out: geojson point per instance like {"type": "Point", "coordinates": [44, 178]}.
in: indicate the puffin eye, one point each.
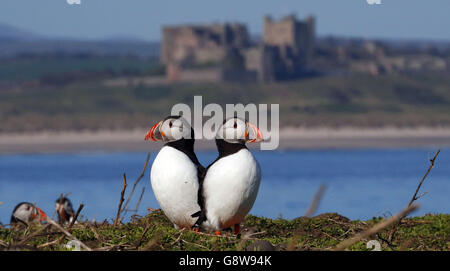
{"type": "Point", "coordinates": [170, 124]}
{"type": "Point", "coordinates": [235, 125]}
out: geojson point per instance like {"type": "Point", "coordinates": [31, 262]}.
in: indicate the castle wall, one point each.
{"type": "Point", "coordinates": [180, 44]}
{"type": "Point", "coordinates": [287, 47]}
{"type": "Point", "coordinates": [281, 33]}
{"type": "Point", "coordinates": [190, 45]}
{"type": "Point", "coordinates": [208, 55]}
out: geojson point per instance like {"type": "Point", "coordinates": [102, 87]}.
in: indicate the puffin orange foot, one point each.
{"type": "Point", "coordinates": [236, 229]}
{"type": "Point", "coordinates": [196, 230]}
{"type": "Point", "coordinates": [218, 233]}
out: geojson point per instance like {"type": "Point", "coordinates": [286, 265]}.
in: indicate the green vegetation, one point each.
{"type": "Point", "coordinates": [155, 232]}
{"type": "Point", "coordinates": [72, 92]}
{"type": "Point", "coordinates": [357, 100]}
{"type": "Point", "coordinates": [53, 67]}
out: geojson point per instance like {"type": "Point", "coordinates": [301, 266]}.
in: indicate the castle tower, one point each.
{"type": "Point", "coordinates": [280, 33]}
{"type": "Point", "coordinates": [293, 40]}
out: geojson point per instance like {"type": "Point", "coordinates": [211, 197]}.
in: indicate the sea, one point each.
{"type": "Point", "coordinates": [360, 183]}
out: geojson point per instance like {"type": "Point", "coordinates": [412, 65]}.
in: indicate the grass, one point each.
{"type": "Point", "coordinates": [322, 232]}
{"type": "Point", "coordinates": [45, 67]}
{"type": "Point", "coordinates": [363, 101]}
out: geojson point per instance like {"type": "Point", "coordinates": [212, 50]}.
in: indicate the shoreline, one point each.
{"type": "Point", "coordinates": [290, 138]}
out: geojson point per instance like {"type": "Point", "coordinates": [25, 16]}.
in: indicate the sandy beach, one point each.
{"type": "Point", "coordinates": [290, 138]}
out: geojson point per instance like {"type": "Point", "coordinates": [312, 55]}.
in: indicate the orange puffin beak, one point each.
{"type": "Point", "coordinates": [154, 133]}
{"type": "Point", "coordinates": [42, 215]}
{"type": "Point", "coordinates": [256, 132]}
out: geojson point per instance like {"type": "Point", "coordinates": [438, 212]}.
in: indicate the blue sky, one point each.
{"type": "Point", "coordinates": [98, 19]}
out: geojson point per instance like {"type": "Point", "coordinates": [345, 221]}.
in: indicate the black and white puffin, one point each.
{"type": "Point", "coordinates": [176, 172]}
{"type": "Point", "coordinates": [231, 182]}
{"type": "Point", "coordinates": [64, 209]}
{"type": "Point", "coordinates": [26, 213]}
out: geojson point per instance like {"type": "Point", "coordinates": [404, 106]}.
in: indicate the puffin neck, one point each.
{"type": "Point", "coordinates": [226, 148]}
{"type": "Point", "coordinates": [186, 146]}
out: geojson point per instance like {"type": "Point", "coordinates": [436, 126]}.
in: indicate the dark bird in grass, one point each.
{"type": "Point", "coordinates": [64, 209]}
{"type": "Point", "coordinates": [26, 213]}
{"type": "Point", "coordinates": [231, 182]}
{"type": "Point", "coordinates": [176, 173]}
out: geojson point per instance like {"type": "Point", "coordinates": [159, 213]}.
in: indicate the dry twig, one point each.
{"type": "Point", "coordinates": [316, 200]}
{"type": "Point", "coordinates": [414, 197]}
{"type": "Point", "coordinates": [3, 243]}
{"type": "Point", "coordinates": [34, 234]}
{"type": "Point", "coordinates": [194, 244]}
{"type": "Point", "coordinates": [92, 228]}
{"type": "Point", "coordinates": [249, 236]}
{"type": "Point", "coordinates": [179, 237]}
{"type": "Point", "coordinates": [375, 229]}
{"type": "Point", "coordinates": [68, 234]}
{"type": "Point", "coordinates": [139, 201]}
{"type": "Point", "coordinates": [51, 243]}
{"type": "Point", "coordinates": [136, 183]}
{"type": "Point", "coordinates": [119, 210]}
{"type": "Point", "coordinates": [147, 227]}
{"type": "Point", "coordinates": [75, 217]}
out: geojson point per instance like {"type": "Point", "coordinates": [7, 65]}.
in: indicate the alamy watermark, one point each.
{"type": "Point", "coordinates": [255, 114]}
{"type": "Point", "coordinates": [74, 2]}
{"type": "Point", "coordinates": [374, 245]}
{"type": "Point", "coordinates": [73, 245]}
{"type": "Point", "coordinates": [374, 2]}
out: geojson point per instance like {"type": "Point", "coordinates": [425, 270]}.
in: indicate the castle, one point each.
{"type": "Point", "coordinates": [225, 52]}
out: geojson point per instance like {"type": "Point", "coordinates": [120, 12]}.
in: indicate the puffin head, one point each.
{"type": "Point", "coordinates": [170, 129]}
{"type": "Point", "coordinates": [238, 131]}
{"type": "Point", "coordinates": [63, 208]}
{"type": "Point", "coordinates": [26, 213]}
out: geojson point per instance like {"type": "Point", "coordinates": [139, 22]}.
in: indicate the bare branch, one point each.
{"type": "Point", "coordinates": [375, 229]}
{"type": "Point", "coordinates": [3, 243]}
{"type": "Point", "coordinates": [316, 200]}
{"type": "Point", "coordinates": [147, 227]}
{"type": "Point", "coordinates": [51, 243]}
{"type": "Point", "coordinates": [34, 234]}
{"type": "Point", "coordinates": [421, 195]}
{"type": "Point", "coordinates": [95, 233]}
{"type": "Point", "coordinates": [179, 237]}
{"type": "Point", "coordinates": [414, 198]}
{"type": "Point", "coordinates": [75, 217]}
{"type": "Point", "coordinates": [139, 201]}
{"type": "Point", "coordinates": [136, 183]}
{"type": "Point", "coordinates": [68, 234]}
{"type": "Point", "coordinates": [119, 210]}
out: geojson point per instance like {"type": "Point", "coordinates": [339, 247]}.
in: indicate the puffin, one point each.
{"type": "Point", "coordinates": [176, 173]}
{"type": "Point", "coordinates": [231, 182]}
{"type": "Point", "coordinates": [27, 213]}
{"type": "Point", "coordinates": [64, 209]}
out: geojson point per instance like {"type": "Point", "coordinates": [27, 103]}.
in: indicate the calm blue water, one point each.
{"type": "Point", "coordinates": [361, 183]}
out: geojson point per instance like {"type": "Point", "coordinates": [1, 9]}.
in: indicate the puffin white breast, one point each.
{"type": "Point", "coordinates": [230, 189]}
{"type": "Point", "coordinates": [175, 184]}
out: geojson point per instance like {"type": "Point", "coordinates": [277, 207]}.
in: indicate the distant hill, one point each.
{"type": "Point", "coordinates": [402, 44]}
{"type": "Point", "coordinates": [144, 49]}
{"type": "Point", "coordinates": [11, 33]}
{"type": "Point", "coordinates": [15, 42]}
